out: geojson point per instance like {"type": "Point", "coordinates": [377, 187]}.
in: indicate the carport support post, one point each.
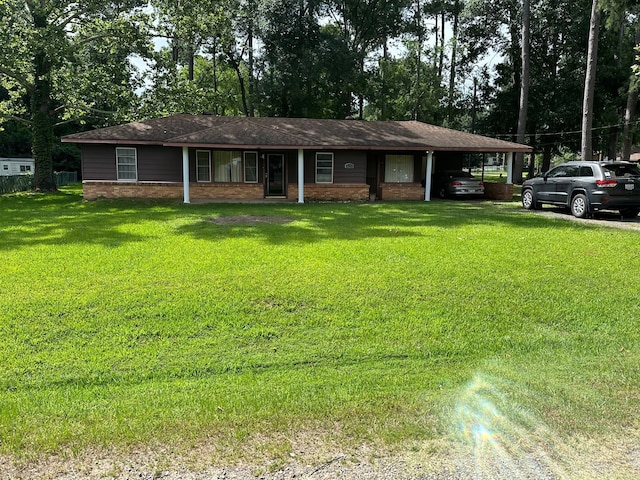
{"type": "Point", "coordinates": [185, 174]}
{"type": "Point", "coordinates": [427, 177]}
{"type": "Point", "coordinates": [300, 175]}
{"type": "Point", "coordinates": [509, 167]}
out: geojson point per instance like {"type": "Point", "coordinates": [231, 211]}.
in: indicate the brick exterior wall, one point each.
{"type": "Point", "coordinates": [227, 191]}
{"type": "Point", "coordinates": [401, 191]}
{"type": "Point", "coordinates": [210, 191]}
{"type": "Point", "coordinates": [498, 191]}
{"type": "Point", "coordinates": [331, 192]}
{"type": "Point", "coordinates": [95, 190]}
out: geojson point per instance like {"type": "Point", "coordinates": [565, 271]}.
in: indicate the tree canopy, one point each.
{"type": "Point", "coordinates": [456, 63]}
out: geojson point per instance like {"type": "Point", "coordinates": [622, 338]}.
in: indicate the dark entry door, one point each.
{"type": "Point", "coordinates": [275, 175]}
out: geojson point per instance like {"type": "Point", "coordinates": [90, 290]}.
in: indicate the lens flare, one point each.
{"type": "Point", "coordinates": [502, 440]}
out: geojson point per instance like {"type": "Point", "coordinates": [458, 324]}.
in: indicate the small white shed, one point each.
{"type": "Point", "coordinates": [16, 166]}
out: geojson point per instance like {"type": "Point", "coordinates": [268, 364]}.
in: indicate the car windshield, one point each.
{"type": "Point", "coordinates": [622, 170]}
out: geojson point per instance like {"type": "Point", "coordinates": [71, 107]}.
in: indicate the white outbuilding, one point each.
{"type": "Point", "coordinates": [16, 166]}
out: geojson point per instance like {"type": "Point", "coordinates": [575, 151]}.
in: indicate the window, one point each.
{"type": "Point", "coordinates": [324, 167]}
{"type": "Point", "coordinates": [250, 167]}
{"type": "Point", "coordinates": [398, 169]}
{"type": "Point", "coordinates": [23, 168]}
{"type": "Point", "coordinates": [203, 166]}
{"type": "Point", "coordinates": [126, 163]}
{"type": "Point", "coordinates": [227, 166]}
{"type": "Point", "coordinates": [586, 171]}
{"type": "Point", "coordinates": [563, 171]}
{"type": "Point", "coordinates": [621, 170]}
{"type": "Point", "coordinates": [6, 167]}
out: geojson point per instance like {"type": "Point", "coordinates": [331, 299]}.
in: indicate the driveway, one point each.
{"type": "Point", "coordinates": [607, 219]}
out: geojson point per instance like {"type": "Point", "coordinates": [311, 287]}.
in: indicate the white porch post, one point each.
{"type": "Point", "coordinates": [427, 177]}
{"type": "Point", "coordinates": [185, 174]}
{"type": "Point", "coordinates": [300, 175]}
{"type": "Point", "coordinates": [510, 167]}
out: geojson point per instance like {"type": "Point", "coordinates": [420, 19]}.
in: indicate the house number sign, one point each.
{"type": "Point", "coordinates": [349, 165]}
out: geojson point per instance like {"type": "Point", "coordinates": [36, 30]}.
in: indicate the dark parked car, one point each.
{"type": "Point", "coordinates": [456, 183]}
{"type": "Point", "coordinates": [586, 187]}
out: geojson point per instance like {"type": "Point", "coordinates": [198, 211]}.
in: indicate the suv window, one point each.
{"type": "Point", "coordinates": [621, 170]}
{"type": "Point", "coordinates": [586, 171]}
{"type": "Point", "coordinates": [564, 171]}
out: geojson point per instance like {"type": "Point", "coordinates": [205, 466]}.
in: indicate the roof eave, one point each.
{"type": "Point", "coordinates": [111, 141]}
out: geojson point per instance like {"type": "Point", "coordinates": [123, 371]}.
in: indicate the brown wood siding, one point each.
{"type": "Point", "coordinates": [341, 175]}
{"type": "Point", "coordinates": [417, 168]}
{"type": "Point", "coordinates": [155, 163]}
{"type": "Point", "coordinates": [357, 174]}
{"type": "Point", "coordinates": [98, 162]}
{"type": "Point", "coordinates": [159, 164]}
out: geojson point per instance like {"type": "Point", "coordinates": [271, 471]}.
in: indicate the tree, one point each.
{"type": "Point", "coordinates": [365, 25]}
{"type": "Point", "coordinates": [44, 67]}
{"type": "Point", "coordinates": [524, 88]}
{"type": "Point", "coordinates": [586, 150]}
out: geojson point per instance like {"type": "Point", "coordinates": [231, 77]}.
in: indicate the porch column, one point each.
{"type": "Point", "coordinates": [300, 175]}
{"type": "Point", "coordinates": [510, 167]}
{"type": "Point", "coordinates": [427, 177]}
{"type": "Point", "coordinates": [185, 174]}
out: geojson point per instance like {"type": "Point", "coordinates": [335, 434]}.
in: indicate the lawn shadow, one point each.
{"type": "Point", "coordinates": [63, 218]}
{"type": "Point", "coordinates": [311, 223]}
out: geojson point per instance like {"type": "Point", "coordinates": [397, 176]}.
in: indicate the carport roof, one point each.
{"type": "Point", "coordinates": [293, 133]}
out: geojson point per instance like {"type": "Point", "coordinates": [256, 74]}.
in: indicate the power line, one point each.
{"type": "Point", "coordinates": [572, 132]}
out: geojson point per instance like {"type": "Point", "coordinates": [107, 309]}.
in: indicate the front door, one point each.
{"type": "Point", "coordinates": [275, 175]}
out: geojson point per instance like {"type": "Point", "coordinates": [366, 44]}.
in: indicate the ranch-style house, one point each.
{"type": "Point", "coordinates": [205, 157]}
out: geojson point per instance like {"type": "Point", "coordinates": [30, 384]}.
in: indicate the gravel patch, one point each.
{"type": "Point", "coordinates": [583, 459]}
{"type": "Point", "coordinates": [605, 219]}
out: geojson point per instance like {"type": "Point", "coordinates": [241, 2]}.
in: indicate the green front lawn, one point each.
{"type": "Point", "coordinates": [126, 323]}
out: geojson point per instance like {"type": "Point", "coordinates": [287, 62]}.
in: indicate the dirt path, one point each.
{"type": "Point", "coordinates": [583, 459]}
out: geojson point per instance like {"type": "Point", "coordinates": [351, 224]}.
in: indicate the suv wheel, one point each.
{"type": "Point", "coordinates": [579, 206]}
{"type": "Point", "coordinates": [529, 200]}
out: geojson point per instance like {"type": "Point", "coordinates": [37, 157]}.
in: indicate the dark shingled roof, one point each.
{"type": "Point", "coordinates": [293, 133]}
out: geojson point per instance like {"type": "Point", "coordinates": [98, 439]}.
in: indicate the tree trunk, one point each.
{"type": "Point", "coordinates": [454, 47]}
{"type": "Point", "coordinates": [250, 66]}
{"type": "Point", "coordinates": [42, 115]}
{"type": "Point", "coordinates": [441, 59]}
{"type": "Point", "coordinates": [586, 150]}
{"type": "Point", "coordinates": [532, 157]}
{"type": "Point", "coordinates": [630, 111]}
{"type": "Point", "coordinates": [243, 89]}
{"type": "Point", "coordinates": [524, 90]}
{"type": "Point", "coordinates": [418, 59]}
{"type": "Point", "coordinates": [612, 151]}
{"type": "Point", "coordinates": [546, 155]}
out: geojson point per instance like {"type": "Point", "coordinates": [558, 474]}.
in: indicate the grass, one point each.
{"type": "Point", "coordinates": [127, 323]}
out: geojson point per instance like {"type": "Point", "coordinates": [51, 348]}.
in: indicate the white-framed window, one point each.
{"type": "Point", "coordinates": [203, 166]}
{"type": "Point", "coordinates": [227, 166]}
{"type": "Point", "coordinates": [250, 167]}
{"type": "Point", "coordinates": [324, 167]}
{"type": "Point", "coordinates": [127, 163]}
{"type": "Point", "coordinates": [398, 168]}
